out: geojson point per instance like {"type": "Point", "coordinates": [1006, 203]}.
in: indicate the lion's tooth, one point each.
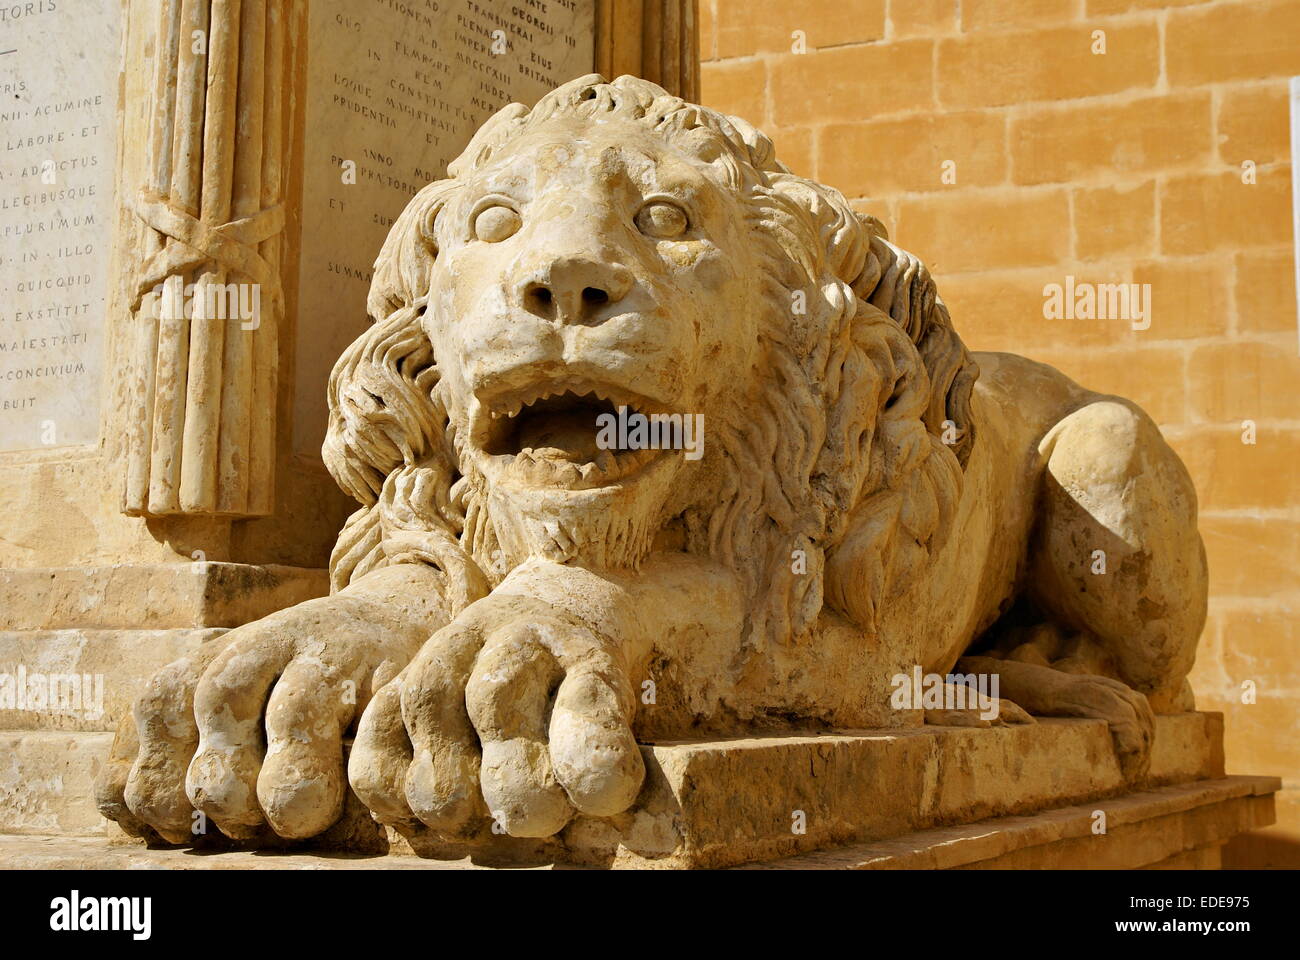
{"type": "Point", "coordinates": [568, 472]}
{"type": "Point", "coordinates": [607, 462]}
{"type": "Point", "coordinates": [589, 471]}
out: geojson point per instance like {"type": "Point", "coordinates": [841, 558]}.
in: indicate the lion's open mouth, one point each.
{"type": "Point", "coordinates": [558, 435]}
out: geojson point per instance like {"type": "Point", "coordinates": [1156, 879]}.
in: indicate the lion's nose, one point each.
{"type": "Point", "coordinates": [575, 290]}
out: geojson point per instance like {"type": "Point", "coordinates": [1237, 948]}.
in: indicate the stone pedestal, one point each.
{"type": "Point", "coordinates": [196, 207]}
{"type": "Point", "coordinates": [1181, 827]}
{"type": "Point", "coordinates": [76, 647]}
{"type": "Point", "coordinates": [1044, 796]}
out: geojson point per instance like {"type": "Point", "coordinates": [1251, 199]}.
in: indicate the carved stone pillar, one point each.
{"type": "Point", "coordinates": [207, 293]}
{"type": "Point", "coordinates": [655, 39]}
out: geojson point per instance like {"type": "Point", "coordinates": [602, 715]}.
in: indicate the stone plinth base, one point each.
{"type": "Point", "coordinates": [1176, 827]}
{"type": "Point", "coordinates": [112, 628]}
{"type": "Point", "coordinates": [47, 782]}
{"type": "Point", "coordinates": [931, 797]}
{"type": "Point", "coordinates": [728, 802]}
{"type": "Point", "coordinates": [96, 635]}
{"type": "Point", "coordinates": [139, 597]}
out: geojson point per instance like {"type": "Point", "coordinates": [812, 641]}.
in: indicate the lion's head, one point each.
{"type": "Point", "coordinates": [618, 247]}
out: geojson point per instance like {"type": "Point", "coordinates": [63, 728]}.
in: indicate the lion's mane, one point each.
{"type": "Point", "coordinates": [842, 483]}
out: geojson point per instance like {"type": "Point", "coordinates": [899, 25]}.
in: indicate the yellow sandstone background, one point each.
{"type": "Point", "coordinates": [1125, 166]}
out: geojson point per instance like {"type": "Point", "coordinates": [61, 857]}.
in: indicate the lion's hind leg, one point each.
{"type": "Point", "coordinates": [1116, 555]}
{"type": "Point", "coordinates": [1117, 571]}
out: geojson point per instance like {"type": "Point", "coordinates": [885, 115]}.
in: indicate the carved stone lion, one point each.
{"type": "Point", "coordinates": [516, 604]}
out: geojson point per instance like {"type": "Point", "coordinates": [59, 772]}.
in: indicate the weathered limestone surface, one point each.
{"type": "Point", "coordinates": [1018, 796]}
{"type": "Point", "coordinates": [47, 782]}
{"type": "Point", "coordinates": [56, 223]}
{"type": "Point", "coordinates": [726, 802]}
{"type": "Point", "coordinates": [541, 638]}
{"type": "Point", "coordinates": [1170, 828]}
{"type": "Point", "coordinates": [850, 500]}
{"type": "Point", "coordinates": [100, 673]}
{"type": "Point", "coordinates": [148, 596]}
{"type": "Point", "coordinates": [935, 775]}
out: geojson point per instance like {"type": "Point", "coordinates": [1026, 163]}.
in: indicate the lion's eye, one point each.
{"type": "Point", "coordinates": [496, 223]}
{"type": "Point", "coordinates": [662, 220]}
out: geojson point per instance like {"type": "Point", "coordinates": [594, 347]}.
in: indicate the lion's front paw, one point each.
{"type": "Point", "coordinates": [144, 783]}
{"type": "Point", "coordinates": [271, 717]}
{"type": "Point", "coordinates": [248, 732]}
{"type": "Point", "coordinates": [514, 712]}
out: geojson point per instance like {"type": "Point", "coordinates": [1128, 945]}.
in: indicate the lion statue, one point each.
{"type": "Point", "coordinates": [519, 600]}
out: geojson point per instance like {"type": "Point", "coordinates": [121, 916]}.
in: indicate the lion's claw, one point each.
{"type": "Point", "coordinates": [508, 713]}
{"type": "Point", "coordinates": [246, 733]}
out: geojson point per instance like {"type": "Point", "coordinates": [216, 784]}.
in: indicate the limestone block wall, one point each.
{"type": "Point", "coordinates": [1016, 143]}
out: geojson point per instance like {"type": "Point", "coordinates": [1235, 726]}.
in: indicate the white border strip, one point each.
{"type": "Point", "coordinates": [1295, 188]}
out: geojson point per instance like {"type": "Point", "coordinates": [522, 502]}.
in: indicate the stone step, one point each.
{"type": "Point", "coordinates": [152, 596]}
{"type": "Point", "coordinates": [47, 782]}
{"type": "Point", "coordinates": [102, 853]}
{"type": "Point", "coordinates": [1181, 827]}
{"type": "Point", "coordinates": [83, 679]}
{"type": "Point", "coordinates": [721, 803]}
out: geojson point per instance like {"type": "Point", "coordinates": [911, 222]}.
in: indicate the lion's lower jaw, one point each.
{"type": "Point", "coordinates": [601, 529]}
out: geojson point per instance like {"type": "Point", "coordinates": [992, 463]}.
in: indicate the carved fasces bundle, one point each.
{"type": "Point", "coordinates": [204, 326]}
